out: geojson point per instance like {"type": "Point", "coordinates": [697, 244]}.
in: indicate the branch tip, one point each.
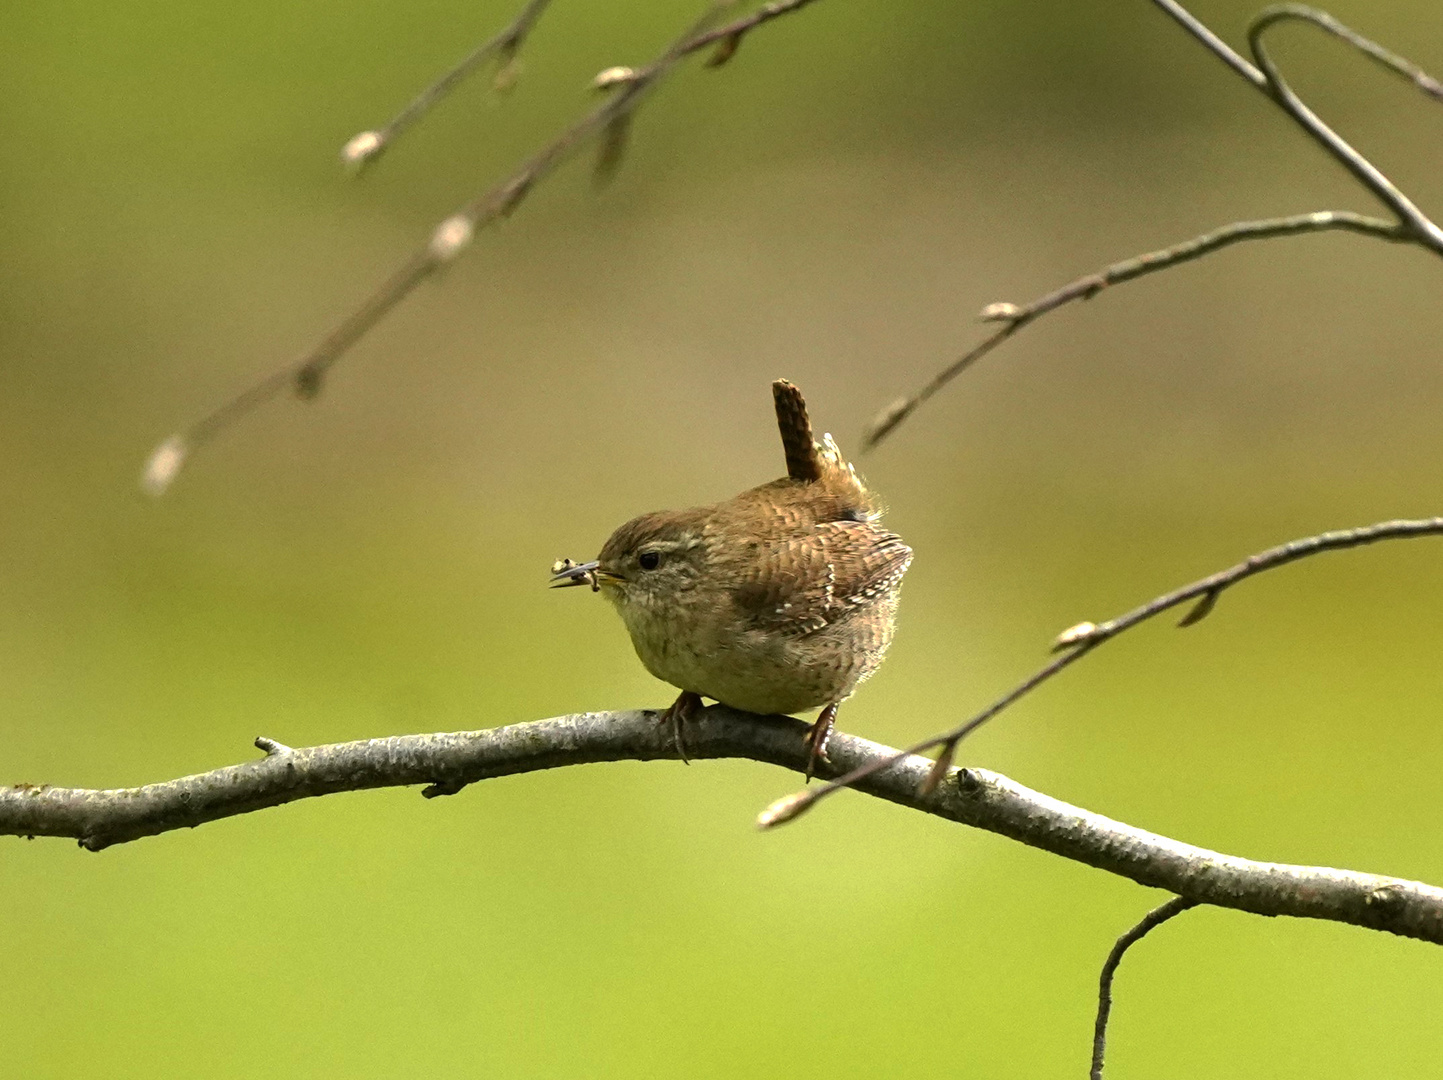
{"type": "Point", "coordinates": [1002, 311]}
{"type": "Point", "coordinates": [785, 809]}
{"type": "Point", "coordinates": [361, 149]}
{"type": "Point", "coordinates": [271, 747]}
{"type": "Point", "coordinates": [163, 465]}
{"type": "Point", "coordinates": [1149, 922]}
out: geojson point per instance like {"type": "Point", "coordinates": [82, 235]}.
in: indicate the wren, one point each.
{"type": "Point", "coordinates": [777, 601]}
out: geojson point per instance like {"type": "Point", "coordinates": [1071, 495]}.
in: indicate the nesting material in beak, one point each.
{"type": "Point", "coordinates": [565, 573]}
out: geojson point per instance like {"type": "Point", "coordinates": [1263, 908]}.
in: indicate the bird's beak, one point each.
{"type": "Point", "coordinates": [564, 574]}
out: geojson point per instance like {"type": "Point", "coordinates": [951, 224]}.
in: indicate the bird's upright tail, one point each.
{"type": "Point", "coordinates": [811, 461]}
{"type": "Point", "coordinates": [804, 459]}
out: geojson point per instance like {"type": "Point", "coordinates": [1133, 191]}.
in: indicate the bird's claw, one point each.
{"type": "Point", "coordinates": [816, 739]}
{"type": "Point", "coordinates": [681, 710]}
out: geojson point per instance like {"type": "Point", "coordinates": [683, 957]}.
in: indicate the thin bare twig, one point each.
{"type": "Point", "coordinates": [1077, 641]}
{"type": "Point", "coordinates": [1013, 317]}
{"type": "Point", "coordinates": [365, 147]}
{"type": "Point", "coordinates": [1411, 226]}
{"type": "Point", "coordinates": [452, 236]}
{"type": "Point", "coordinates": [1399, 65]}
{"type": "Point", "coordinates": [362, 149]}
{"type": "Point", "coordinates": [1150, 922]}
{"type": "Point", "coordinates": [976, 797]}
{"type": "Point", "coordinates": [727, 38]}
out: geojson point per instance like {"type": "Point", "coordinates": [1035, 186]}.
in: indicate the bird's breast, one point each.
{"type": "Point", "coordinates": [704, 645]}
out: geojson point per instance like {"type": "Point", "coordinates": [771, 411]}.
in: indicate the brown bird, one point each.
{"type": "Point", "coordinates": [779, 600]}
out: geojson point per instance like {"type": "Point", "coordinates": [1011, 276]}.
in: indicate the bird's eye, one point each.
{"type": "Point", "coordinates": [649, 560]}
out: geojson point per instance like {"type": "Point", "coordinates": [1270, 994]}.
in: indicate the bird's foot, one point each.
{"type": "Point", "coordinates": [817, 736]}
{"type": "Point", "coordinates": [686, 706]}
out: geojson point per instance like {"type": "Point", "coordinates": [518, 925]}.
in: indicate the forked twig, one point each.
{"type": "Point", "coordinates": [1411, 226]}
{"type": "Point", "coordinates": [454, 233]}
{"type": "Point", "coordinates": [1422, 230]}
{"type": "Point", "coordinates": [1077, 641]}
{"type": "Point", "coordinates": [1150, 922]}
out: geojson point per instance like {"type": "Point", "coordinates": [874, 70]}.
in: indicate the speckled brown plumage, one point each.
{"type": "Point", "coordinates": [779, 600]}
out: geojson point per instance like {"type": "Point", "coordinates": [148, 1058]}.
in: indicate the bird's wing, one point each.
{"type": "Point", "coordinates": [807, 581]}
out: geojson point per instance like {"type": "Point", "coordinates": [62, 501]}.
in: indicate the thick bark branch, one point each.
{"type": "Point", "coordinates": [447, 762]}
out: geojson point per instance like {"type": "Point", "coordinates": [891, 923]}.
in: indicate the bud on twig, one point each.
{"type": "Point", "coordinates": [611, 77]}
{"type": "Point", "coordinates": [1074, 635]}
{"type": "Point", "coordinates": [1001, 311]}
{"type": "Point", "coordinates": [361, 149]}
{"type": "Point", "coordinates": [784, 810]}
{"type": "Point", "coordinates": [164, 463]}
{"type": "Point", "coordinates": [450, 237]}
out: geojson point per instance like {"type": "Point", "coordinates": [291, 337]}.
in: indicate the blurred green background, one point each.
{"type": "Point", "coordinates": [834, 206]}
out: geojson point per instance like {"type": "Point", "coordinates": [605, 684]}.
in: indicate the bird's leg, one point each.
{"type": "Point", "coordinates": [817, 736]}
{"type": "Point", "coordinates": [686, 706]}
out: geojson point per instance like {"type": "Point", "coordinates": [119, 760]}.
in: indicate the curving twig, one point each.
{"type": "Point", "coordinates": [1150, 922]}
{"type": "Point", "coordinates": [1420, 228]}
{"type": "Point", "coordinates": [985, 800]}
{"type": "Point", "coordinates": [1411, 226]}
{"type": "Point", "coordinates": [1077, 641]}
{"type": "Point", "coordinates": [1014, 317]}
{"type": "Point", "coordinates": [626, 91]}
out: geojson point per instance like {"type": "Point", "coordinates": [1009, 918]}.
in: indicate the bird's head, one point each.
{"type": "Point", "coordinates": [650, 563]}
